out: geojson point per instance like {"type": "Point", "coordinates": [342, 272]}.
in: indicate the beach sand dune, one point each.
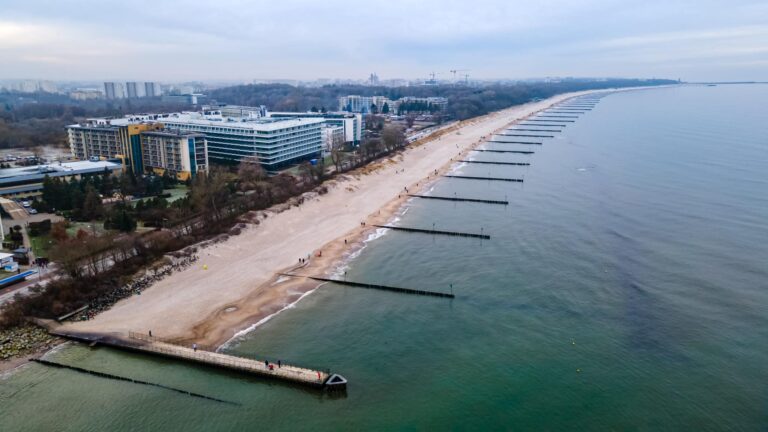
{"type": "Point", "coordinates": [239, 286]}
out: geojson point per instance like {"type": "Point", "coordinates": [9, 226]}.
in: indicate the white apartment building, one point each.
{"type": "Point", "coordinates": [276, 142]}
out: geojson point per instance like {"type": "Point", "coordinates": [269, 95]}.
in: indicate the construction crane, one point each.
{"type": "Point", "coordinates": [432, 80]}
{"type": "Point", "coordinates": [459, 70]}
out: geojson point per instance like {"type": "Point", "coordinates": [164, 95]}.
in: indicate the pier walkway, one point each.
{"type": "Point", "coordinates": [155, 346]}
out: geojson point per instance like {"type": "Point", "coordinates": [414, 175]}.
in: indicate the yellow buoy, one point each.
{"type": "Point", "coordinates": [205, 266]}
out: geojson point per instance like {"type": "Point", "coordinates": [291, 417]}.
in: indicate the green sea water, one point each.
{"type": "Point", "coordinates": [625, 287]}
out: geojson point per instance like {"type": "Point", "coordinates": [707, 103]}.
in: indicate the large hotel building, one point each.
{"type": "Point", "coordinates": [183, 143]}
{"type": "Point", "coordinates": [141, 147]}
{"type": "Point", "coordinates": [276, 142]}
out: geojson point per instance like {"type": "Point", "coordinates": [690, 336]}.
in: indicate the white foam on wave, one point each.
{"type": "Point", "coordinates": [457, 167]}
{"type": "Point", "coordinates": [280, 280]}
{"type": "Point", "coordinates": [234, 340]}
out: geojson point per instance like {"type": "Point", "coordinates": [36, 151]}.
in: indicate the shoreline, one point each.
{"type": "Point", "coordinates": [244, 289]}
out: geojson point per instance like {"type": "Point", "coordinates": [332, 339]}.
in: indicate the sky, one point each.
{"type": "Point", "coordinates": [172, 41]}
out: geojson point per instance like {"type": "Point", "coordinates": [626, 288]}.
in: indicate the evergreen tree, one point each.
{"type": "Point", "coordinates": [92, 207]}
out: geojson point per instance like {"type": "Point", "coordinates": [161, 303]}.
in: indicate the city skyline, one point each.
{"type": "Point", "coordinates": [239, 42]}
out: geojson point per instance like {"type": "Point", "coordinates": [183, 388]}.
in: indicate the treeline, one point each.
{"type": "Point", "coordinates": [81, 199]}
{"type": "Point", "coordinates": [463, 101]}
{"type": "Point", "coordinates": [36, 121]}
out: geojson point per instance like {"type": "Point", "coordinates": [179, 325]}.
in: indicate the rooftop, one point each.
{"type": "Point", "coordinates": [65, 168]}
{"type": "Point", "coordinates": [255, 124]}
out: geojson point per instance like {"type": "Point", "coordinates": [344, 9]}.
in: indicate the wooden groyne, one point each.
{"type": "Point", "coordinates": [532, 130]}
{"type": "Point", "coordinates": [553, 121]}
{"type": "Point", "coordinates": [435, 232]}
{"type": "Point", "coordinates": [154, 346]}
{"type": "Point", "coordinates": [515, 142]}
{"type": "Point", "coordinates": [557, 116]}
{"type": "Point", "coordinates": [383, 287]}
{"type": "Point", "coordinates": [503, 151]}
{"type": "Point", "coordinates": [542, 125]}
{"type": "Point", "coordinates": [131, 380]}
{"type": "Point", "coordinates": [527, 135]}
{"type": "Point", "coordinates": [472, 200]}
{"type": "Point", "coordinates": [496, 163]}
{"type": "Point", "coordinates": [506, 179]}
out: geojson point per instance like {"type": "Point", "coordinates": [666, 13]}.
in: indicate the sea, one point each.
{"type": "Point", "coordinates": [624, 287]}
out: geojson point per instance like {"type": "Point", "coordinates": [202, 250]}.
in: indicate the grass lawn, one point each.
{"type": "Point", "coordinates": [41, 245]}
{"type": "Point", "coordinates": [88, 227]}
{"type": "Point", "coordinates": [179, 191]}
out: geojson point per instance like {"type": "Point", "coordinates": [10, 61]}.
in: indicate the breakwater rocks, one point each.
{"type": "Point", "coordinates": [23, 340]}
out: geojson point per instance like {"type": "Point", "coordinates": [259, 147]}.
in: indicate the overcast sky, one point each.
{"type": "Point", "coordinates": [245, 40]}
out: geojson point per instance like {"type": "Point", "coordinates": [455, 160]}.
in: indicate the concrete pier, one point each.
{"type": "Point", "coordinates": [154, 346]}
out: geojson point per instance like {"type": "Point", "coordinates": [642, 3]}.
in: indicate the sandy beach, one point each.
{"type": "Point", "coordinates": [241, 284]}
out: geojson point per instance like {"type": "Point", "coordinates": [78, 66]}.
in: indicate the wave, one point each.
{"type": "Point", "coordinates": [235, 339]}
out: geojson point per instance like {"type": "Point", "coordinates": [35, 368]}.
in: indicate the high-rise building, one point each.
{"type": "Point", "coordinates": [181, 154]}
{"type": "Point", "coordinates": [114, 90]}
{"type": "Point", "coordinates": [135, 89]}
{"type": "Point", "coordinates": [141, 144]}
{"type": "Point", "coordinates": [152, 89]}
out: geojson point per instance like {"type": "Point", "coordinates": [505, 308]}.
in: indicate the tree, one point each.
{"type": "Point", "coordinates": [392, 137]}
{"type": "Point", "coordinates": [374, 109]}
{"type": "Point", "coordinates": [410, 120]}
{"type": "Point", "coordinates": [59, 231]}
{"type": "Point", "coordinates": [385, 108]}
{"type": "Point", "coordinates": [249, 173]}
{"type": "Point", "coordinates": [210, 192]}
{"type": "Point", "coordinates": [92, 208]}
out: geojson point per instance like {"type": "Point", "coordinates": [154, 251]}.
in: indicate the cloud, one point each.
{"type": "Point", "coordinates": [238, 39]}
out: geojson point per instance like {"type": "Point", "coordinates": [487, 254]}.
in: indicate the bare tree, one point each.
{"type": "Point", "coordinates": [392, 137]}
{"type": "Point", "coordinates": [249, 173]}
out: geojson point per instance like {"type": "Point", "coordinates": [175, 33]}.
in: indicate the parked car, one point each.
{"type": "Point", "coordinates": [26, 204]}
{"type": "Point", "coordinates": [32, 211]}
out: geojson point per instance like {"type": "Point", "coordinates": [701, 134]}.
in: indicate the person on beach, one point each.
{"type": "Point", "coordinates": [279, 363]}
{"type": "Point", "coordinates": [194, 347]}
{"type": "Point", "coordinates": [266, 363]}
{"type": "Point", "coordinates": [150, 333]}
